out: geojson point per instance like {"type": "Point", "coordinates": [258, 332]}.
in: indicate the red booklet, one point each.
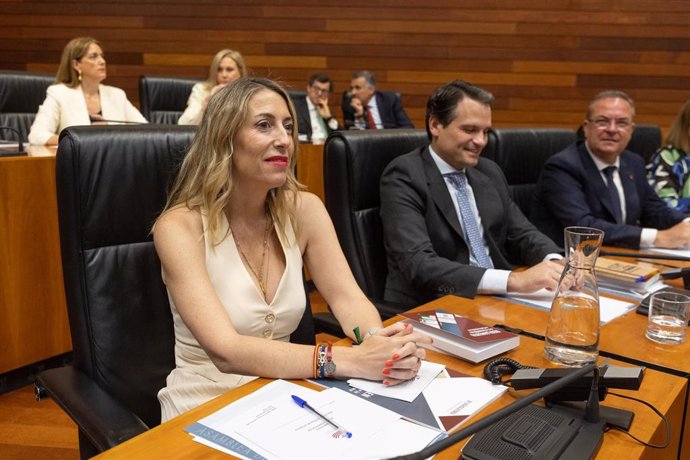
{"type": "Point", "coordinates": [461, 336]}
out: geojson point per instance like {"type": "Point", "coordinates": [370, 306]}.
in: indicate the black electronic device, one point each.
{"type": "Point", "coordinates": [579, 436]}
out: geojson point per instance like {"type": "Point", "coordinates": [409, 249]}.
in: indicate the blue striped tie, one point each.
{"type": "Point", "coordinates": [472, 235]}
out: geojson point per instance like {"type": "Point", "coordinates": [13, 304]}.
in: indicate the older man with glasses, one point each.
{"type": "Point", "coordinates": [597, 183]}
{"type": "Point", "coordinates": [314, 119]}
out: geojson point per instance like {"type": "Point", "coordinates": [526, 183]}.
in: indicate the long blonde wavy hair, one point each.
{"type": "Point", "coordinates": [213, 69]}
{"type": "Point", "coordinates": [205, 179]}
{"type": "Point", "coordinates": [74, 50]}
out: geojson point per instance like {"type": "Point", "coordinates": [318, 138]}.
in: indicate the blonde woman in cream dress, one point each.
{"type": "Point", "coordinates": [232, 240]}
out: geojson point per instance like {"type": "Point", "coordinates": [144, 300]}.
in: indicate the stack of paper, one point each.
{"type": "Point", "coordinates": [268, 424]}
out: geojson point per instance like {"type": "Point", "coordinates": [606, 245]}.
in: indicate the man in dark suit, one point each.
{"type": "Point", "coordinates": [597, 183]}
{"type": "Point", "coordinates": [368, 109]}
{"type": "Point", "coordinates": [314, 119]}
{"type": "Point", "coordinates": [450, 225]}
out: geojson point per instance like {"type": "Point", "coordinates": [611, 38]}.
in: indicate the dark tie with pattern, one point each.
{"type": "Point", "coordinates": [613, 193]}
{"type": "Point", "coordinates": [474, 239]}
{"type": "Point", "coordinates": [371, 124]}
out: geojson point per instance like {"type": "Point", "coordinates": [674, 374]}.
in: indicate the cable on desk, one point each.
{"type": "Point", "coordinates": [500, 367]}
{"type": "Point", "coordinates": [663, 417]}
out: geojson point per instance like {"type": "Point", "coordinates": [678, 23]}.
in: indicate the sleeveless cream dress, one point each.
{"type": "Point", "coordinates": [195, 378]}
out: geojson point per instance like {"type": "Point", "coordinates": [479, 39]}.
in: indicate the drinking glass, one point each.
{"type": "Point", "coordinates": [668, 317]}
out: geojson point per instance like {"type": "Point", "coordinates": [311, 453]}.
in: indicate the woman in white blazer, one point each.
{"type": "Point", "coordinates": [226, 67]}
{"type": "Point", "coordinates": [78, 97]}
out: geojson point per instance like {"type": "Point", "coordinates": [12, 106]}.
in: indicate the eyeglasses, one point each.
{"type": "Point", "coordinates": [320, 91]}
{"type": "Point", "coordinates": [620, 124]}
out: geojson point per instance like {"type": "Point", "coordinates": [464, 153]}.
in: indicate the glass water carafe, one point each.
{"type": "Point", "coordinates": [572, 333]}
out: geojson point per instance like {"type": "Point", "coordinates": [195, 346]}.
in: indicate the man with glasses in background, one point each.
{"type": "Point", "coordinates": [315, 121]}
{"type": "Point", "coordinates": [597, 183]}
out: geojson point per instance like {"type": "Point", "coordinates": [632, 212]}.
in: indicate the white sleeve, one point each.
{"type": "Point", "coordinates": [132, 113]}
{"type": "Point", "coordinates": [47, 119]}
{"type": "Point", "coordinates": [192, 114]}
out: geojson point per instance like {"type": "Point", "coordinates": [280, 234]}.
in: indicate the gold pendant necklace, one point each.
{"type": "Point", "coordinates": [260, 276]}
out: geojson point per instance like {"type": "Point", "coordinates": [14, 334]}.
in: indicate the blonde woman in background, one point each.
{"type": "Point", "coordinates": [226, 67]}
{"type": "Point", "coordinates": [78, 97]}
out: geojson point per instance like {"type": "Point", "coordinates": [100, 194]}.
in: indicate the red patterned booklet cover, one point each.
{"type": "Point", "coordinates": [462, 337]}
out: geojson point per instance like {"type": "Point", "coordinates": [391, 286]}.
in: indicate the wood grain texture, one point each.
{"type": "Point", "coordinates": [33, 315]}
{"type": "Point", "coordinates": [533, 55]}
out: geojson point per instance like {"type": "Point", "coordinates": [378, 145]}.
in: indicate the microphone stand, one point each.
{"type": "Point", "coordinates": [591, 433]}
{"type": "Point", "coordinates": [500, 414]}
{"type": "Point", "coordinates": [20, 144]}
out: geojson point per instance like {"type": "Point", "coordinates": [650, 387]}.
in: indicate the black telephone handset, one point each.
{"type": "Point", "coordinates": [643, 307]}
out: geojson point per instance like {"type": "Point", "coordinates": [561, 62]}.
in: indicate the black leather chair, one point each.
{"type": "Point", "coordinates": [521, 153]}
{"type": "Point", "coordinates": [353, 164]}
{"type": "Point", "coordinates": [163, 99]}
{"type": "Point", "coordinates": [645, 141]}
{"type": "Point", "coordinates": [21, 93]}
{"type": "Point", "coordinates": [296, 94]}
{"type": "Point", "coordinates": [111, 185]}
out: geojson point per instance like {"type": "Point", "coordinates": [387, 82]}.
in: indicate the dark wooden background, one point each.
{"type": "Point", "coordinates": [543, 59]}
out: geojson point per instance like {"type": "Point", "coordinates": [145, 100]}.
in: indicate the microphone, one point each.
{"type": "Point", "coordinates": [500, 414]}
{"type": "Point", "coordinates": [20, 144]}
{"type": "Point", "coordinates": [94, 119]}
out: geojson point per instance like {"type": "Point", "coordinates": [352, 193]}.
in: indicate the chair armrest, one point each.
{"type": "Point", "coordinates": [101, 418]}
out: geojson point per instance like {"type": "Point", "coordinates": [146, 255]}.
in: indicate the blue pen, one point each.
{"type": "Point", "coordinates": [341, 431]}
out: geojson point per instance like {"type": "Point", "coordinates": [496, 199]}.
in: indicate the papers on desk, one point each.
{"type": "Point", "coordinates": [406, 391]}
{"type": "Point", "coordinates": [447, 402]}
{"type": "Point", "coordinates": [609, 308]}
{"type": "Point", "coordinates": [268, 424]}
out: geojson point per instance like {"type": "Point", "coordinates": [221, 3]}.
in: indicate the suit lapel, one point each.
{"type": "Point", "coordinates": [595, 181]}
{"type": "Point", "coordinates": [439, 192]}
{"type": "Point", "coordinates": [632, 200]}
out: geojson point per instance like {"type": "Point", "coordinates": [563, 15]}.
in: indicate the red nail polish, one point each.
{"type": "Point", "coordinates": [389, 363]}
{"type": "Point", "coordinates": [396, 357]}
{"type": "Point", "coordinates": [386, 382]}
{"type": "Point", "coordinates": [386, 371]}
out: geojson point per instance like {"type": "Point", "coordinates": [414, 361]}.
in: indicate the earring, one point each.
{"type": "Point", "coordinates": [79, 76]}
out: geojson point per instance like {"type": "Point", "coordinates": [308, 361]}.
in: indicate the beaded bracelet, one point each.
{"type": "Point", "coordinates": [319, 360]}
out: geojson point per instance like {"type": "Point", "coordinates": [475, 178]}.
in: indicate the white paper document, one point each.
{"type": "Point", "coordinates": [609, 308]}
{"type": "Point", "coordinates": [454, 400]}
{"type": "Point", "coordinates": [406, 391]}
{"type": "Point", "coordinates": [272, 425]}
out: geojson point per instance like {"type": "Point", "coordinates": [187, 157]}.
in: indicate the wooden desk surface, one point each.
{"type": "Point", "coordinates": [666, 393]}
{"type": "Point", "coordinates": [623, 338]}
{"type": "Point", "coordinates": [33, 313]}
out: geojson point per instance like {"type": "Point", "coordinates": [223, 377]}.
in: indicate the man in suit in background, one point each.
{"type": "Point", "coordinates": [450, 225]}
{"type": "Point", "coordinates": [597, 183]}
{"type": "Point", "coordinates": [314, 118]}
{"type": "Point", "coordinates": [369, 109]}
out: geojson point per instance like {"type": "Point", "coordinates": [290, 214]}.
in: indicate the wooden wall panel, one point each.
{"type": "Point", "coordinates": [542, 60]}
